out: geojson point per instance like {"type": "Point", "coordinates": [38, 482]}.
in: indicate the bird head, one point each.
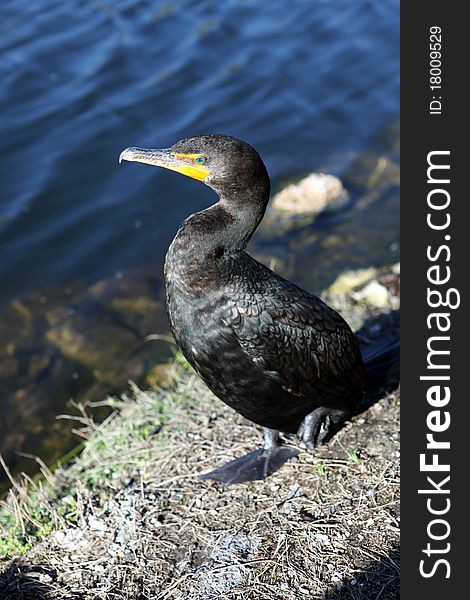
{"type": "Point", "coordinates": [224, 163]}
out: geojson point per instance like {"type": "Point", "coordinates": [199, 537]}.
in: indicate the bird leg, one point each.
{"type": "Point", "coordinates": [272, 439]}
{"type": "Point", "coordinates": [318, 425]}
{"type": "Point", "coordinates": [256, 465]}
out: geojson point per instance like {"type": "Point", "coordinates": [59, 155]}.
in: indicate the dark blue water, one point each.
{"type": "Point", "coordinates": [80, 80]}
{"type": "Point", "coordinates": [311, 84]}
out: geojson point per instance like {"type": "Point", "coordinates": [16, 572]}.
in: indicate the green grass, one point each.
{"type": "Point", "coordinates": [354, 456]}
{"type": "Point", "coordinates": [320, 470]}
{"type": "Point", "coordinates": [29, 515]}
{"type": "Point", "coordinates": [180, 359]}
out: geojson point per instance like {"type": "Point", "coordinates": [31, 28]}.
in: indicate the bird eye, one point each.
{"type": "Point", "coordinates": [200, 160]}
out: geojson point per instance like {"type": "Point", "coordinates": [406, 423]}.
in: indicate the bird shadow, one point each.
{"type": "Point", "coordinates": [379, 581]}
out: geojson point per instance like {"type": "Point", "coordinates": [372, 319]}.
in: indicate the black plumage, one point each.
{"type": "Point", "coordinates": [275, 353]}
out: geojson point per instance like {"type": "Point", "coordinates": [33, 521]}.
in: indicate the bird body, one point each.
{"type": "Point", "coordinates": [264, 346]}
{"type": "Point", "coordinates": [275, 353]}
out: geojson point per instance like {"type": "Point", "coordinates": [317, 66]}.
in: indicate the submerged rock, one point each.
{"type": "Point", "coordinates": [106, 329]}
{"type": "Point", "coordinates": [298, 204]}
{"type": "Point", "coordinates": [369, 171]}
{"type": "Point", "coordinates": [78, 346]}
{"type": "Point", "coordinates": [310, 196]}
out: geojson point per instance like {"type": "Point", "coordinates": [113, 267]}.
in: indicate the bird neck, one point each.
{"type": "Point", "coordinates": [238, 227]}
{"type": "Point", "coordinates": [226, 226]}
{"type": "Point", "coordinates": [243, 208]}
{"type": "Point", "coordinates": [197, 256]}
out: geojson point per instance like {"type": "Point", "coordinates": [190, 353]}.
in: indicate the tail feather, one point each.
{"type": "Point", "coordinates": [382, 362]}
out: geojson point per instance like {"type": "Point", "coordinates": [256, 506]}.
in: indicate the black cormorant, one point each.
{"type": "Point", "coordinates": [275, 353]}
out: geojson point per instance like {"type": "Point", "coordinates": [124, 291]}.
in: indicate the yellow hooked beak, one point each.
{"type": "Point", "coordinates": [190, 165]}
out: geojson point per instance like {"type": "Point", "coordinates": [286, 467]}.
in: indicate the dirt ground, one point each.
{"type": "Point", "coordinates": [322, 527]}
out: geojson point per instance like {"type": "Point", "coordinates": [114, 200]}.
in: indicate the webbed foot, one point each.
{"type": "Point", "coordinates": [319, 425]}
{"type": "Point", "coordinates": [256, 465]}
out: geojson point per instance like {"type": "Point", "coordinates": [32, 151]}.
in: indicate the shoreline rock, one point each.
{"type": "Point", "coordinates": [310, 196]}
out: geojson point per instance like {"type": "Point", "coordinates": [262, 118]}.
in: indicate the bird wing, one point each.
{"type": "Point", "coordinates": [295, 338]}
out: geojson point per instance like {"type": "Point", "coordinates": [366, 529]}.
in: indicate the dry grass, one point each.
{"type": "Point", "coordinates": [141, 525]}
